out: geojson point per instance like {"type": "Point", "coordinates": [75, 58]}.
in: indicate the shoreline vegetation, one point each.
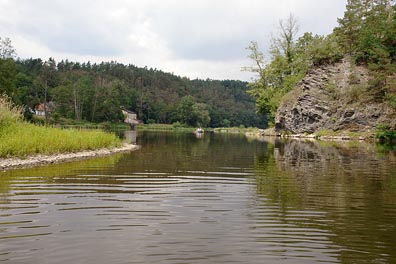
{"type": "Point", "coordinates": [379, 135]}
{"type": "Point", "coordinates": [25, 144]}
{"type": "Point", "coordinates": [322, 135]}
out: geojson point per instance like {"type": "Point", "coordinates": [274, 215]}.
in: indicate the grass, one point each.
{"type": "Point", "coordinates": [71, 123]}
{"type": "Point", "coordinates": [20, 139]}
{"type": "Point", "coordinates": [236, 130]}
{"type": "Point", "coordinates": [177, 127]}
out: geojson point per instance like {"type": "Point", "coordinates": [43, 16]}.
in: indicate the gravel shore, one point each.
{"type": "Point", "coordinates": [37, 160]}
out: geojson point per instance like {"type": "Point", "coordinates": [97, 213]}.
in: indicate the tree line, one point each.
{"type": "Point", "coordinates": [96, 92]}
{"type": "Point", "coordinates": [366, 35]}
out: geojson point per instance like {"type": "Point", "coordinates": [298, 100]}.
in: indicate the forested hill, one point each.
{"type": "Point", "coordinates": [96, 93]}
{"type": "Point", "coordinates": [347, 77]}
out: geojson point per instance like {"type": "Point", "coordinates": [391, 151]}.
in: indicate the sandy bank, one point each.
{"type": "Point", "coordinates": [37, 160]}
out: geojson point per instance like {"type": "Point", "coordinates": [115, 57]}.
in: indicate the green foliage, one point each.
{"type": "Point", "coordinates": [201, 114]}
{"type": "Point", "coordinates": [27, 139]}
{"type": "Point", "coordinates": [355, 92]}
{"type": "Point", "coordinates": [86, 92]}
{"type": "Point", "coordinates": [226, 123]}
{"type": "Point", "coordinates": [185, 111]}
{"type": "Point", "coordinates": [288, 65]}
{"type": "Point", "coordinates": [9, 113]}
{"type": "Point", "coordinates": [391, 99]}
{"type": "Point", "coordinates": [236, 130]}
{"type": "Point", "coordinates": [18, 138]}
{"type": "Point", "coordinates": [367, 31]}
{"type": "Point", "coordinates": [324, 50]}
{"type": "Point", "coordinates": [386, 135]}
{"type": "Point", "coordinates": [96, 92]}
{"type": "Point", "coordinates": [175, 127]}
{"type": "Point", "coordinates": [331, 89]}
{"type": "Point", "coordinates": [191, 113]}
{"type": "Point", "coordinates": [7, 76]}
{"type": "Point", "coordinates": [325, 133]}
{"type": "Point", "coordinates": [7, 51]}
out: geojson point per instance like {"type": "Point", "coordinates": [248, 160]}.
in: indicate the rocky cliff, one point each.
{"type": "Point", "coordinates": [332, 97]}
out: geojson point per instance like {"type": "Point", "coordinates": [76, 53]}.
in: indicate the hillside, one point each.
{"type": "Point", "coordinates": [96, 93]}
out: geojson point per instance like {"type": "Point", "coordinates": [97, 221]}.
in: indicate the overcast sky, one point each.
{"type": "Point", "coordinates": [193, 38]}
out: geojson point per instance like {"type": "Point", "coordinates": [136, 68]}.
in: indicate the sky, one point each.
{"type": "Point", "coordinates": [192, 38]}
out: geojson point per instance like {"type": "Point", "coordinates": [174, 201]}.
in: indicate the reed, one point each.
{"type": "Point", "coordinates": [20, 139]}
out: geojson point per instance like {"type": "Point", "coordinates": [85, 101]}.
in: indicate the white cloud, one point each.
{"type": "Point", "coordinates": [202, 38]}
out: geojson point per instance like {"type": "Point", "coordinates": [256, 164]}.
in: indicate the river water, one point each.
{"type": "Point", "coordinates": [215, 199]}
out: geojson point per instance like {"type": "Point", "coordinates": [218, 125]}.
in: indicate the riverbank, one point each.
{"type": "Point", "coordinates": [20, 139]}
{"type": "Point", "coordinates": [322, 135]}
{"type": "Point", "coordinates": [38, 160]}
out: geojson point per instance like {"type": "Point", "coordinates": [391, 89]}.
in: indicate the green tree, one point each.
{"type": "Point", "coordinates": [284, 43]}
{"type": "Point", "coordinates": [201, 113]}
{"type": "Point", "coordinates": [7, 76]}
{"type": "Point", "coordinates": [7, 51]}
{"type": "Point", "coordinates": [367, 31]}
{"type": "Point", "coordinates": [7, 67]}
{"type": "Point", "coordinates": [351, 24]}
{"type": "Point", "coordinates": [281, 74]}
{"type": "Point", "coordinates": [46, 80]}
{"type": "Point", "coordinates": [94, 91]}
{"type": "Point", "coordinates": [185, 110]}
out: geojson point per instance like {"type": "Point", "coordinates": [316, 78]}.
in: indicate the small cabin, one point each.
{"type": "Point", "coordinates": [130, 118]}
{"type": "Point", "coordinates": [39, 109]}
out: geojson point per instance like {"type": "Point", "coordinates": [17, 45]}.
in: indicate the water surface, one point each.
{"type": "Point", "coordinates": [216, 199]}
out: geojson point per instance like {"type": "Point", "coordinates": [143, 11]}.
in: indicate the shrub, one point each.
{"type": "Point", "coordinates": [324, 50]}
{"type": "Point", "coordinates": [385, 134]}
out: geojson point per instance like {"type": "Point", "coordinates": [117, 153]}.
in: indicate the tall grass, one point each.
{"type": "Point", "coordinates": [19, 138]}
{"type": "Point", "coordinates": [9, 113]}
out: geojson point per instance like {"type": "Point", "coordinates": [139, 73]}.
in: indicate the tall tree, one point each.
{"type": "Point", "coordinates": [278, 76]}
{"type": "Point", "coordinates": [7, 67]}
{"type": "Point", "coordinates": [7, 51]}
{"type": "Point", "coordinates": [257, 58]}
{"type": "Point", "coordinates": [46, 79]}
{"type": "Point", "coordinates": [185, 110]}
{"type": "Point", "coordinates": [284, 43]}
{"type": "Point", "coordinates": [352, 22]}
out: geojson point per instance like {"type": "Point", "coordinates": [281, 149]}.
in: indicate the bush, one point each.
{"type": "Point", "coordinates": [386, 134]}
{"type": "Point", "coordinates": [324, 50]}
{"type": "Point", "coordinates": [177, 125]}
{"type": "Point", "coordinates": [390, 98]}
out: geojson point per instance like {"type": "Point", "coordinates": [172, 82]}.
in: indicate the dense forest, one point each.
{"type": "Point", "coordinates": [74, 91]}
{"type": "Point", "coordinates": [366, 35]}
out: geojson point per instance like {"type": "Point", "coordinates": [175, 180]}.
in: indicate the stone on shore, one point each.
{"type": "Point", "coordinates": [37, 160]}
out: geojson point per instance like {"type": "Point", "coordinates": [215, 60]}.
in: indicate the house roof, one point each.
{"type": "Point", "coordinates": [40, 107]}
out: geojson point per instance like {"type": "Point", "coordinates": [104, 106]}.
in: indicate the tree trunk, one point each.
{"type": "Point", "coordinates": [46, 113]}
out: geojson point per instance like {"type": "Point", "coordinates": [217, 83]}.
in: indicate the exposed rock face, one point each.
{"type": "Point", "coordinates": [331, 97]}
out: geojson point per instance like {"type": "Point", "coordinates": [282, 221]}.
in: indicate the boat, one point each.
{"type": "Point", "coordinates": [199, 131]}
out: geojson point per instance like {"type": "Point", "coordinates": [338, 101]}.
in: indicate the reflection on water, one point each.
{"type": "Point", "coordinates": [130, 136]}
{"type": "Point", "coordinates": [216, 199]}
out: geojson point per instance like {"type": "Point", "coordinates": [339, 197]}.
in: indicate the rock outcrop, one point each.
{"type": "Point", "coordinates": [332, 97]}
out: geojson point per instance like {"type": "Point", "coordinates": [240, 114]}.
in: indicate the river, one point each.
{"type": "Point", "coordinates": [215, 199]}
